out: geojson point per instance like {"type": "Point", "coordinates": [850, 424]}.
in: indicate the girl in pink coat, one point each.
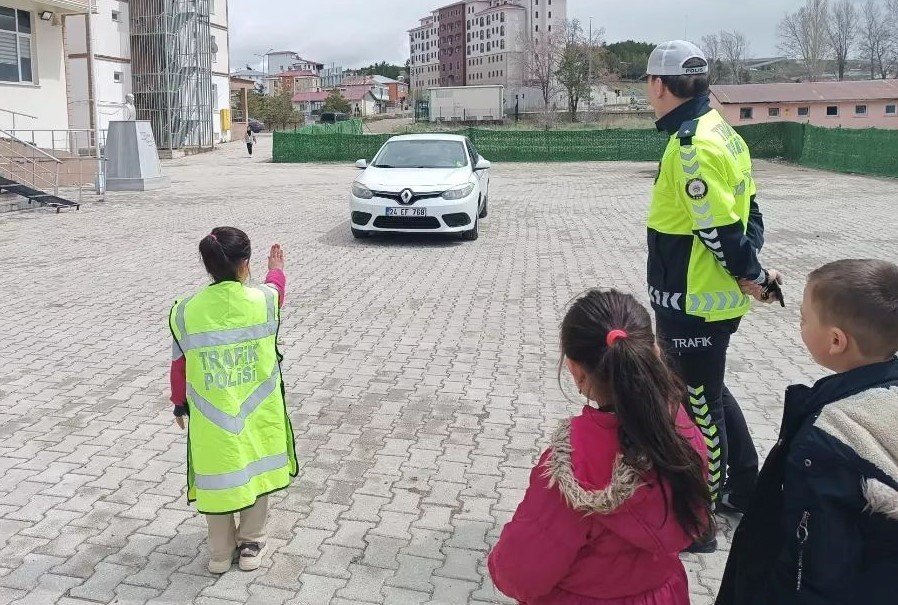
{"type": "Point", "coordinates": [621, 490]}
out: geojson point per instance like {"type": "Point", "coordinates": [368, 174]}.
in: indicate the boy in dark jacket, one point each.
{"type": "Point", "coordinates": [823, 525]}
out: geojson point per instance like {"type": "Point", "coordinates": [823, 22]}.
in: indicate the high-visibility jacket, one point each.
{"type": "Point", "coordinates": [240, 439]}
{"type": "Point", "coordinates": [698, 223]}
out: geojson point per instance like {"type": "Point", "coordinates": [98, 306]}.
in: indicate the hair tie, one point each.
{"type": "Point", "coordinates": [615, 335]}
{"type": "Point", "coordinates": [212, 235]}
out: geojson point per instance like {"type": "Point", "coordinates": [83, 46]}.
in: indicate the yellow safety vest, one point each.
{"type": "Point", "coordinates": [240, 440]}
{"type": "Point", "coordinates": [705, 181]}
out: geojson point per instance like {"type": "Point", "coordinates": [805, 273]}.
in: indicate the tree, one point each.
{"type": "Point", "coordinates": [842, 29]}
{"type": "Point", "coordinates": [716, 67]}
{"type": "Point", "coordinates": [336, 102]}
{"type": "Point", "coordinates": [580, 66]}
{"type": "Point", "coordinates": [804, 36]}
{"type": "Point", "coordinates": [734, 50]}
{"type": "Point", "coordinates": [278, 111]}
{"type": "Point", "coordinates": [876, 38]}
{"type": "Point", "coordinates": [382, 68]}
{"type": "Point", "coordinates": [629, 59]}
{"type": "Point", "coordinates": [540, 60]}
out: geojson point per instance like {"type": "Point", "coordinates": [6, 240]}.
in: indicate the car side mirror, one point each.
{"type": "Point", "coordinates": [482, 165]}
{"type": "Point", "coordinates": [361, 164]}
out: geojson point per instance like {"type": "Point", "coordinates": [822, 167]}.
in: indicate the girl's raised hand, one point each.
{"type": "Point", "coordinates": [276, 258]}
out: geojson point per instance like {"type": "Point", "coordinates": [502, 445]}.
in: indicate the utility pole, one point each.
{"type": "Point", "coordinates": [94, 104]}
{"type": "Point", "coordinates": [589, 72]}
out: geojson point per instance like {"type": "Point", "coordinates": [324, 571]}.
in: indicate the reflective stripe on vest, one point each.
{"type": "Point", "coordinates": [234, 424]}
{"type": "Point", "coordinates": [716, 301]}
{"type": "Point", "coordinates": [243, 476]}
{"type": "Point", "coordinates": [227, 337]}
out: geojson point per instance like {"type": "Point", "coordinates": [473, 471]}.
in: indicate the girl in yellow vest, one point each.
{"type": "Point", "coordinates": [226, 377]}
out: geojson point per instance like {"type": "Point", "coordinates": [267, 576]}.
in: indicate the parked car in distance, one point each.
{"type": "Point", "coordinates": [256, 126]}
{"type": "Point", "coordinates": [333, 118]}
{"type": "Point", "coordinates": [434, 183]}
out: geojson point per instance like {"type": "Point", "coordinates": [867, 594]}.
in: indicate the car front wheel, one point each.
{"type": "Point", "coordinates": [485, 210]}
{"type": "Point", "coordinates": [359, 234]}
{"type": "Point", "coordinates": [471, 234]}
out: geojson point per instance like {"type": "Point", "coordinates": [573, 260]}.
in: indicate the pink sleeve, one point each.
{"type": "Point", "coordinates": [537, 548]}
{"type": "Point", "coordinates": [178, 379]}
{"type": "Point", "coordinates": [278, 279]}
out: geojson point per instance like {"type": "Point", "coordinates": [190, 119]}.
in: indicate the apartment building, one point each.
{"type": "Point", "coordinates": [493, 35]}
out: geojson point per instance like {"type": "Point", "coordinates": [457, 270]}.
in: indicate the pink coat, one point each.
{"type": "Point", "coordinates": [590, 530]}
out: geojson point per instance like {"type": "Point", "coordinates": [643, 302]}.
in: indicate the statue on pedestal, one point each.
{"type": "Point", "coordinates": [129, 110]}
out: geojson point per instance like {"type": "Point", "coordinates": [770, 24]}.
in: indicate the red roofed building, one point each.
{"type": "Point", "coordinates": [361, 100]}
{"type": "Point", "coordinates": [848, 104]}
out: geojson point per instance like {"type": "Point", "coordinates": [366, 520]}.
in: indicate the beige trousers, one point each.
{"type": "Point", "coordinates": [225, 535]}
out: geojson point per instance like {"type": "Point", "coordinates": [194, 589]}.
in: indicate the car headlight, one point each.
{"type": "Point", "coordinates": [361, 192]}
{"type": "Point", "coordinates": [459, 192]}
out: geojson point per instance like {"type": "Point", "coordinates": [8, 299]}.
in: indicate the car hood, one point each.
{"type": "Point", "coordinates": [416, 179]}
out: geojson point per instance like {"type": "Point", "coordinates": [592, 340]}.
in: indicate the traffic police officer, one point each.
{"type": "Point", "coordinates": [704, 235]}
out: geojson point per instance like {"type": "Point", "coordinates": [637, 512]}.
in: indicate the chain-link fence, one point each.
{"type": "Point", "coordinates": [868, 151]}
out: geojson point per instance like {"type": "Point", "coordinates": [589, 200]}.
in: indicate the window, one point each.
{"type": "Point", "coordinates": [773, 112]}
{"type": "Point", "coordinates": [804, 112]}
{"type": "Point", "coordinates": [15, 45]}
{"type": "Point", "coordinates": [115, 16]}
{"type": "Point", "coordinates": [117, 77]}
{"type": "Point", "coordinates": [746, 113]}
{"type": "Point", "coordinates": [832, 110]}
{"type": "Point", "coordinates": [860, 110]}
{"type": "Point", "coordinates": [215, 97]}
{"type": "Point", "coordinates": [891, 109]}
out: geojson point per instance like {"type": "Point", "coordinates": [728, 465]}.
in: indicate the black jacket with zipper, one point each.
{"type": "Point", "coordinates": [822, 528]}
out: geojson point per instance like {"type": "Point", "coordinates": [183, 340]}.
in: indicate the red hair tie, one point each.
{"type": "Point", "coordinates": [615, 335]}
{"type": "Point", "coordinates": [212, 235]}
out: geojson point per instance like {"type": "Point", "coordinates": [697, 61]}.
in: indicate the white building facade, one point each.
{"type": "Point", "coordinates": [112, 47]}
{"type": "Point", "coordinates": [32, 63]}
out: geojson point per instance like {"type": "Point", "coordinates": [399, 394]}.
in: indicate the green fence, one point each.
{"type": "Point", "coordinates": [868, 151]}
{"type": "Point", "coordinates": [345, 127]}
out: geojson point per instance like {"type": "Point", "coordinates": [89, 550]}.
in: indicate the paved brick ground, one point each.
{"type": "Point", "coordinates": [420, 373]}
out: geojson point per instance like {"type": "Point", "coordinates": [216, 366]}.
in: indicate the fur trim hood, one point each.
{"type": "Point", "coordinates": [868, 424]}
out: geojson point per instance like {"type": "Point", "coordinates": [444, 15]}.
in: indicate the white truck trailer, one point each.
{"type": "Point", "coordinates": [467, 104]}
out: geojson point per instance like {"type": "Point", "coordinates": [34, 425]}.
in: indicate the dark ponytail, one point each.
{"type": "Point", "coordinates": [644, 394]}
{"type": "Point", "coordinates": [223, 251]}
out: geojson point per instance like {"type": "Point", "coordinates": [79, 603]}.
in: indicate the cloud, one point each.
{"type": "Point", "coordinates": [354, 33]}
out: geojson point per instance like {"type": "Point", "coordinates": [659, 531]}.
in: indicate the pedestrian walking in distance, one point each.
{"type": "Point", "coordinates": [226, 377]}
{"type": "Point", "coordinates": [705, 231]}
{"type": "Point", "coordinates": [621, 489]}
{"type": "Point", "coordinates": [250, 140]}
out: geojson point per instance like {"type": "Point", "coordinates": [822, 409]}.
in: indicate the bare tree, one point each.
{"type": "Point", "coordinates": [540, 58]}
{"type": "Point", "coordinates": [734, 50]}
{"type": "Point", "coordinates": [711, 46]}
{"type": "Point", "coordinates": [581, 64]}
{"type": "Point", "coordinates": [876, 38]}
{"type": "Point", "coordinates": [842, 28]}
{"type": "Point", "coordinates": [804, 36]}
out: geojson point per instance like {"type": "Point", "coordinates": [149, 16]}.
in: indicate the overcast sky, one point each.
{"type": "Point", "coordinates": [354, 33]}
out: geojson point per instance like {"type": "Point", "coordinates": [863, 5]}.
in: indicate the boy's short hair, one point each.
{"type": "Point", "coordinates": [860, 296]}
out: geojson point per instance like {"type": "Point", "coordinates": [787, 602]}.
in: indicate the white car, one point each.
{"type": "Point", "coordinates": [430, 183]}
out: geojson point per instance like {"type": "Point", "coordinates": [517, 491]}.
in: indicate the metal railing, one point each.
{"type": "Point", "coordinates": [71, 142]}
{"type": "Point", "coordinates": [16, 113]}
{"type": "Point", "coordinates": [27, 164]}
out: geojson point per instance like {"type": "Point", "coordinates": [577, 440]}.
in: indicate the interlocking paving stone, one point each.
{"type": "Point", "coordinates": [420, 373]}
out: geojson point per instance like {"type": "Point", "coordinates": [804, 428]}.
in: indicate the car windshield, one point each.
{"type": "Point", "coordinates": [422, 154]}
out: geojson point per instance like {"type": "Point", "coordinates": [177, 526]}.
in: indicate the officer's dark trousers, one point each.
{"type": "Point", "coordinates": [698, 353]}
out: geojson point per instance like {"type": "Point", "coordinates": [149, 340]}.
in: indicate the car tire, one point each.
{"type": "Point", "coordinates": [471, 234]}
{"type": "Point", "coordinates": [484, 212]}
{"type": "Point", "coordinates": [359, 234]}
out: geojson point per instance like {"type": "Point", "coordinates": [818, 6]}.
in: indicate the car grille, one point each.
{"type": "Point", "coordinates": [406, 222]}
{"type": "Point", "coordinates": [388, 195]}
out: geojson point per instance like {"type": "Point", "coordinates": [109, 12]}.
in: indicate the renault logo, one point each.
{"type": "Point", "coordinates": [406, 196]}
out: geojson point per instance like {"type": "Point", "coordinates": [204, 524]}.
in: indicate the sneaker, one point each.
{"type": "Point", "coordinates": [703, 548]}
{"type": "Point", "coordinates": [732, 503]}
{"type": "Point", "coordinates": [220, 567]}
{"type": "Point", "coordinates": [251, 555]}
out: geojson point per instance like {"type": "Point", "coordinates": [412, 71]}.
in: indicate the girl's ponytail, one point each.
{"type": "Point", "coordinates": [223, 251]}
{"type": "Point", "coordinates": [610, 335]}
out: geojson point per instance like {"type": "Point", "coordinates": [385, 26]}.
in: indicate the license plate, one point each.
{"type": "Point", "coordinates": [406, 211]}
